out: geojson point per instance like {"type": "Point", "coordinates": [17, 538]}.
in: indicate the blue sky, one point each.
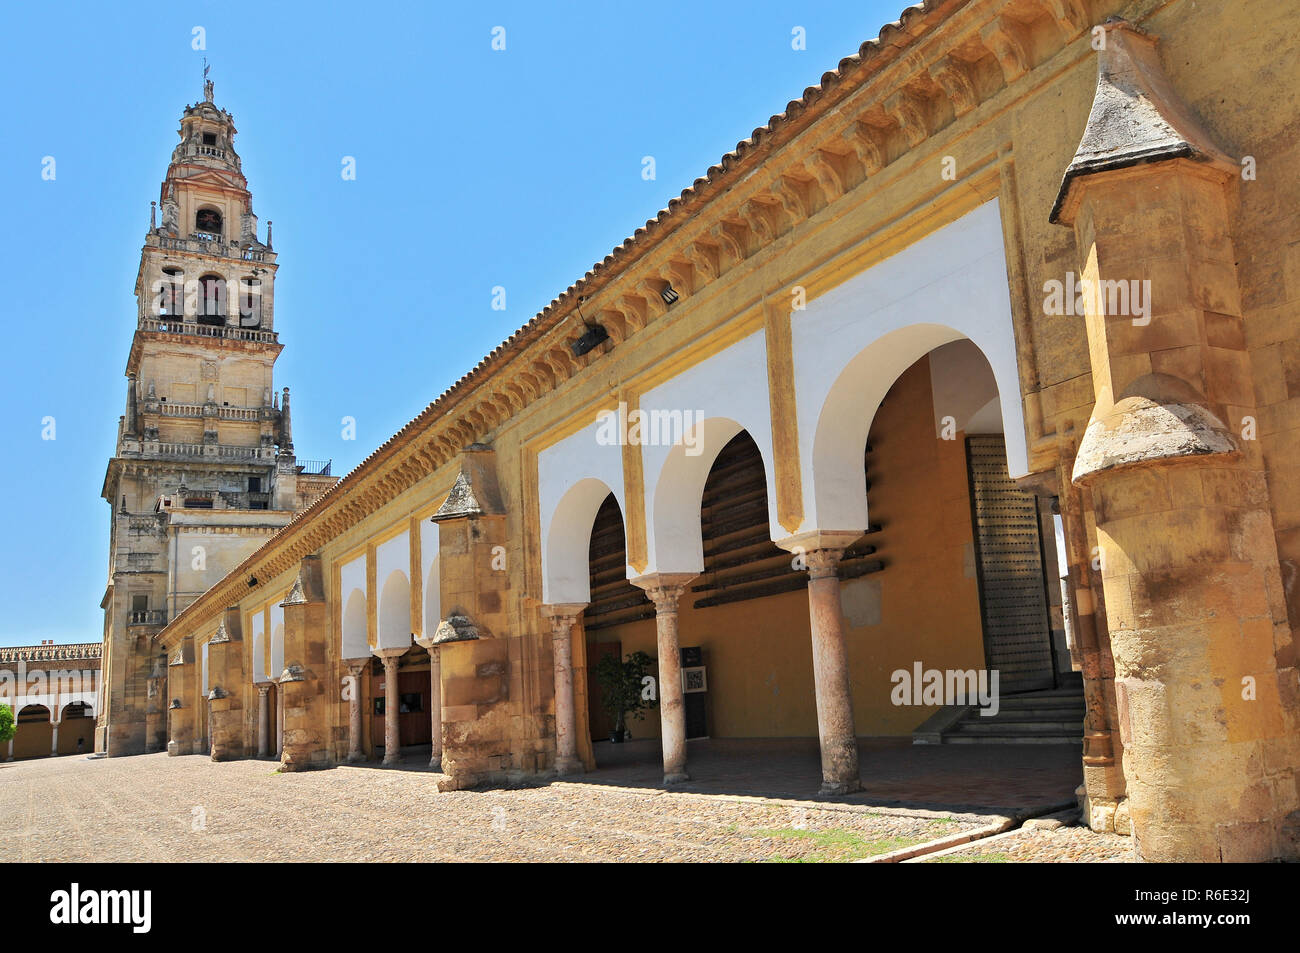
{"type": "Point", "coordinates": [474, 168]}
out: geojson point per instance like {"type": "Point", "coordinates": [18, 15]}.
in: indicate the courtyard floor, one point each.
{"type": "Point", "coordinates": [751, 801]}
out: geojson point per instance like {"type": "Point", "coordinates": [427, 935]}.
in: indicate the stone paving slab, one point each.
{"type": "Point", "coordinates": [156, 808]}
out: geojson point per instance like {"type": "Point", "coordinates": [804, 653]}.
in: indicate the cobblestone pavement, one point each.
{"type": "Point", "coordinates": [1064, 845]}
{"type": "Point", "coordinates": [155, 808]}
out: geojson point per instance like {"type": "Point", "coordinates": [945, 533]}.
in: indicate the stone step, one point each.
{"type": "Point", "coordinates": [1030, 701]}
{"type": "Point", "coordinates": [1044, 714]}
{"type": "Point", "coordinates": [995, 726]}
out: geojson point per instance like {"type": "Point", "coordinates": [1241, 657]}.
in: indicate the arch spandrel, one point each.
{"type": "Point", "coordinates": [852, 343]}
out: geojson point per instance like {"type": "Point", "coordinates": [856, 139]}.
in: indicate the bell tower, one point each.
{"type": "Point", "coordinates": [204, 468]}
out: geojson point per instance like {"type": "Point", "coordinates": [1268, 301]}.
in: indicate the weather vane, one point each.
{"type": "Point", "coordinates": [207, 83]}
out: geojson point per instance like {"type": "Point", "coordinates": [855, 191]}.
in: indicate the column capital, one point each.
{"type": "Point", "coordinates": [664, 589]}
{"type": "Point", "coordinates": [800, 543]}
{"type": "Point", "coordinates": [563, 616]}
{"type": "Point", "coordinates": [356, 666]}
{"type": "Point", "coordinates": [392, 654]}
{"type": "Point", "coordinates": [821, 563]}
{"type": "Point", "coordinates": [262, 688]}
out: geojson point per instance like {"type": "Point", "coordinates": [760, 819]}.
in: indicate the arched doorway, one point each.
{"type": "Point", "coordinates": [34, 733]}
{"type": "Point", "coordinates": [76, 729]}
{"type": "Point", "coordinates": [411, 704]}
{"type": "Point", "coordinates": [615, 603]}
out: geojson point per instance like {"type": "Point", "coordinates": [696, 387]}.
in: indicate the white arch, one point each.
{"type": "Point", "coordinates": [354, 639]}
{"type": "Point", "coordinates": [567, 577]}
{"type": "Point", "coordinates": [574, 475]}
{"type": "Point", "coordinates": [852, 343]}
{"type": "Point", "coordinates": [395, 611]}
{"type": "Point", "coordinates": [277, 638]}
{"type": "Point", "coordinates": [355, 643]}
{"type": "Point", "coordinates": [678, 493]}
{"type": "Point", "coordinates": [432, 581]}
{"type": "Point", "coordinates": [432, 599]}
{"type": "Point", "coordinates": [257, 625]}
{"type": "Point", "coordinates": [724, 394]}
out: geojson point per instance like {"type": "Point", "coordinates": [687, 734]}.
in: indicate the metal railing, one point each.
{"type": "Point", "coordinates": [315, 467]}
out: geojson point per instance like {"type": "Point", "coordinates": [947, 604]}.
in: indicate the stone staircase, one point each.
{"type": "Point", "coordinates": [1049, 717]}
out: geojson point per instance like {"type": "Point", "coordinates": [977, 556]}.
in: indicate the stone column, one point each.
{"type": "Point", "coordinates": [180, 715]}
{"type": "Point", "coordinates": [225, 699]}
{"type": "Point", "coordinates": [54, 739]}
{"type": "Point", "coordinates": [1204, 656]}
{"type": "Point", "coordinates": [665, 590]}
{"type": "Point", "coordinates": [563, 617]}
{"type": "Point", "coordinates": [305, 698]}
{"type": "Point", "coordinates": [435, 709]}
{"type": "Point", "coordinates": [10, 756]}
{"type": "Point", "coordinates": [279, 719]}
{"type": "Point", "coordinates": [835, 730]}
{"type": "Point", "coordinates": [355, 668]}
{"type": "Point", "coordinates": [1103, 775]}
{"type": "Point", "coordinates": [392, 705]}
{"type": "Point", "coordinates": [263, 720]}
{"type": "Point", "coordinates": [155, 735]}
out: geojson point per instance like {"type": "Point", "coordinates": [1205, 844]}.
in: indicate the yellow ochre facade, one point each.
{"type": "Point", "coordinates": [1007, 299]}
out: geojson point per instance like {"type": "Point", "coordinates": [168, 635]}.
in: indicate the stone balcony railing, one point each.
{"type": "Point", "coordinates": [204, 244]}
{"type": "Point", "coordinates": [177, 324]}
{"type": "Point", "coordinates": [166, 409]}
{"type": "Point", "coordinates": [219, 453]}
{"type": "Point", "coordinates": [147, 617]}
{"type": "Point", "coordinates": [50, 653]}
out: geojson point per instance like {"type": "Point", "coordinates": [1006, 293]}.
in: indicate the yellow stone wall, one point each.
{"type": "Point", "coordinates": [1008, 126]}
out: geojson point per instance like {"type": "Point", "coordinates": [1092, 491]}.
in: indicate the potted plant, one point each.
{"type": "Point", "coordinates": [623, 689]}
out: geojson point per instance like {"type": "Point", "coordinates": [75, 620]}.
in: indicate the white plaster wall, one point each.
{"type": "Point", "coordinates": [728, 391]}
{"type": "Point", "coordinates": [429, 570]}
{"type": "Point", "coordinates": [574, 477]}
{"type": "Point", "coordinates": [277, 639]}
{"type": "Point", "coordinates": [354, 640]}
{"type": "Point", "coordinates": [257, 628]}
{"type": "Point", "coordinates": [393, 555]}
{"type": "Point", "coordinates": [851, 344]}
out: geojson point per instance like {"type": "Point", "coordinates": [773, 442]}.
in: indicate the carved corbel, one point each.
{"type": "Point", "coordinates": [650, 287]}
{"type": "Point", "coordinates": [1005, 39]}
{"type": "Point", "coordinates": [636, 313]}
{"type": "Point", "coordinates": [1070, 15]}
{"type": "Point", "coordinates": [867, 143]}
{"type": "Point", "coordinates": [829, 171]}
{"type": "Point", "coordinates": [682, 275]}
{"type": "Point", "coordinates": [958, 85]}
{"type": "Point", "coordinates": [764, 218]}
{"type": "Point", "coordinates": [908, 110]}
{"type": "Point", "coordinates": [736, 237]}
{"type": "Point", "coordinates": [797, 192]}
{"type": "Point", "coordinates": [705, 259]}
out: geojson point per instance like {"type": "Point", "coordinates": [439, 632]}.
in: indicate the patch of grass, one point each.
{"type": "Point", "coordinates": [942, 821]}
{"type": "Point", "coordinates": [834, 844]}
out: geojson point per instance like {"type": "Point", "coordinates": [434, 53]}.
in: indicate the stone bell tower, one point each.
{"type": "Point", "coordinates": [204, 469]}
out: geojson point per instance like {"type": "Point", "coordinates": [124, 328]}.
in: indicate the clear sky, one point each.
{"type": "Point", "coordinates": [475, 168]}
